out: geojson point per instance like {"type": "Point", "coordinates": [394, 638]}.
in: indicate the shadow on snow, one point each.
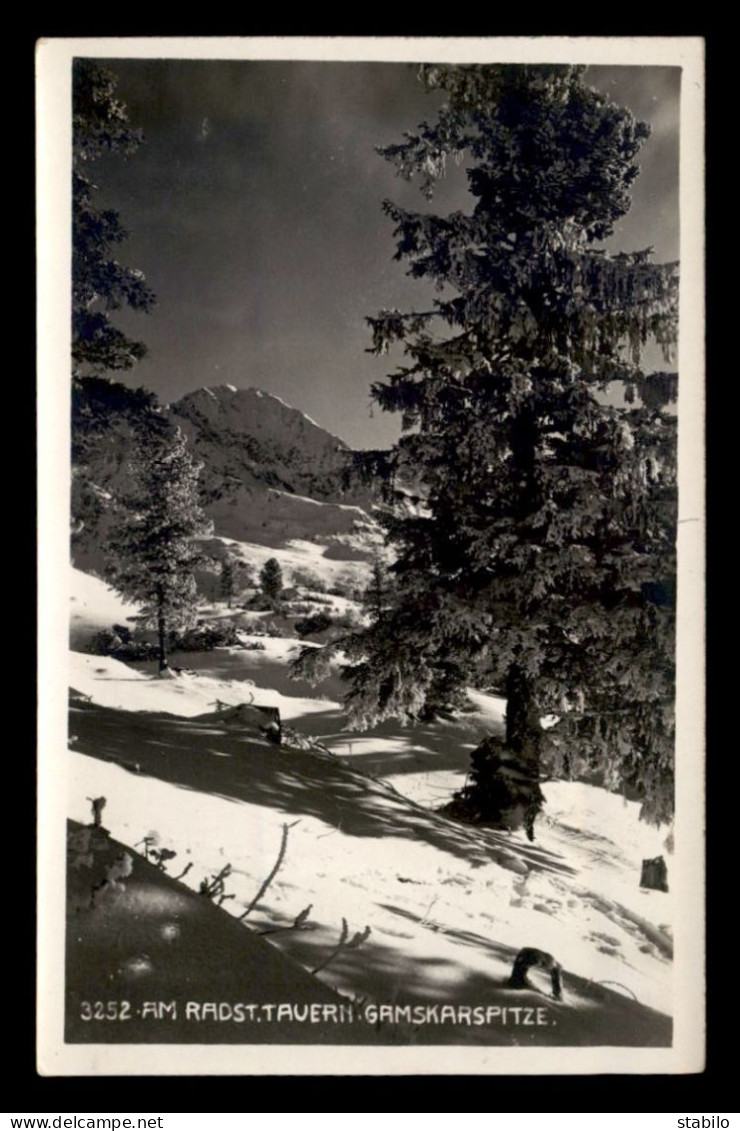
{"type": "Point", "coordinates": [239, 764]}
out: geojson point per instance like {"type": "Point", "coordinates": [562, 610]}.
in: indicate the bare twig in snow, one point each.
{"type": "Point", "coordinates": [425, 917]}
{"type": "Point", "coordinates": [626, 989]}
{"type": "Point", "coordinates": [215, 886]}
{"type": "Point", "coordinates": [357, 939]}
{"type": "Point", "coordinates": [273, 873]}
{"type": "Point", "coordinates": [296, 925]}
{"type": "Point", "coordinates": [331, 832]}
{"type": "Point", "coordinates": [161, 855]}
{"type": "Point", "coordinates": [98, 805]}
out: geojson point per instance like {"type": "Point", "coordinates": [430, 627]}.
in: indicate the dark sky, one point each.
{"type": "Point", "coordinates": [254, 210]}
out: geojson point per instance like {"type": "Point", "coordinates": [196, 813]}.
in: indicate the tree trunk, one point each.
{"type": "Point", "coordinates": [504, 785]}
{"type": "Point", "coordinates": [161, 632]}
{"type": "Point", "coordinates": [522, 719]}
{"type": "Point", "coordinates": [523, 741]}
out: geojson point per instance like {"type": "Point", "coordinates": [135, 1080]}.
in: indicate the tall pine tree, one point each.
{"type": "Point", "coordinates": [100, 284]}
{"type": "Point", "coordinates": [151, 548]}
{"type": "Point", "coordinates": [103, 411]}
{"type": "Point", "coordinates": [543, 560]}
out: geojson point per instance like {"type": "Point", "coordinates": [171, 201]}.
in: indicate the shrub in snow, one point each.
{"type": "Point", "coordinates": [309, 626]}
{"type": "Point", "coordinates": [294, 740]}
{"type": "Point", "coordinates": [308, 602]}
{"type": "Point", "coordinates": [348, 619]}
{"type": "Point", "coordinates": [258, 603]}
{"type": "Point", "coordinates": [309, 580]}
{"type": "Point", "coordinates": [498, 790]}
{"type": "Point", "coordinates": [203, 637]}
{"type": "Point", "coordinates": [161, 855]}
{"type": "Point", "coordinates": [98, 805]}
{"type": "Point", "coordinates": [107, 642]}
{"type": "Point", "coordinates": [298, 924]}
{"type": "Point", "coordinates": [271, 626]}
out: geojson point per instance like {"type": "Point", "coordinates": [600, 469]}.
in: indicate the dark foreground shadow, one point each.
{"type": "Point", "coordinates": [150, 962]}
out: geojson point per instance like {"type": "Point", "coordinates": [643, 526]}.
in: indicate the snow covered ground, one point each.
{"type": "Point", "coordinates": [448, 906]}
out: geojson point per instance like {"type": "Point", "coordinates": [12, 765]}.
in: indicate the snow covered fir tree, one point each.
{"type": "Point", "coordinates": [151, 546]}
{"type": "Point", "coordinates": [103, 410]}
{"type": "Point", "coordinates": [100, 284]}
{"type": "Point", "coordinates": [271, 579]}
{"type": "Point", "coordinates": [148, 523]}
{"type": "Point", "coordinates": [542, 561]}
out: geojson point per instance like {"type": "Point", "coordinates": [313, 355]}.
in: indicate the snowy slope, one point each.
{"type": "Point", "coordinates": [275, 518]}
{"type": "Point", "coordinates": [448, 906]}
{"type": "Point", "coordinates": [94, 606]}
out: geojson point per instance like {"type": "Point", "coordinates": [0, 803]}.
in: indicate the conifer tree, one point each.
{"type": "Point", "coordinates": [228, 580]}
{"type": "Point", "coordinates": [235, 574]}
{"type": "Point", "coordinates": [271, 579]}
{"type": "Point", "coordinates": [377, 596]}
{"type": "Point", "coordinates": [102, 409]}
{"type": "Point", "coordinates": [100, 284]}
{"type": "Point", "coordinates": [543, 561]}
{"type": "Point", "coordinates": [151, 549]}
{"type": "Point", "coordinates": [104, 416]}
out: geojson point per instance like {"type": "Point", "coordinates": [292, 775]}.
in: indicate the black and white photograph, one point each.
{"type": "Point", "coordinates": [370, 575]}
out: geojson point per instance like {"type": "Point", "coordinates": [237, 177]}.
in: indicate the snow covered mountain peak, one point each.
{"type": "Point", "coordinates": [265, 467]}
{"type": "Point", "coordinates": [257, 453]}
{"type": "Point", "coordinates": [254, 412]}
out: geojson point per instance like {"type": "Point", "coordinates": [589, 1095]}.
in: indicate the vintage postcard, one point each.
{"type": "Point", "coordinates": [371, 576]}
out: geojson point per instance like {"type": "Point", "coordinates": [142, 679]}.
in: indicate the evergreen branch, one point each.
{"type": "Point", "coordinates": [666, 700]}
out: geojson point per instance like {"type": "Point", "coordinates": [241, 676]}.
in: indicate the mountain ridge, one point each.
{"type": "Point", "coordinates": [270, 474]}
{"type": "Point", "coordinates": [253, 436]}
